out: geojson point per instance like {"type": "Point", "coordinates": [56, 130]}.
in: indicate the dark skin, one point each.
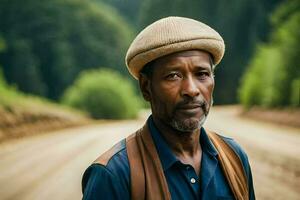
{"type": "Point", "coordinates": [180, 92]}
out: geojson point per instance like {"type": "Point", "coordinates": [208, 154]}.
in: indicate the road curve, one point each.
{"type": "Point", "coordinates": [50, 166]}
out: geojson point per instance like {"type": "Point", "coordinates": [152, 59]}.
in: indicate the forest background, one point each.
{"type": "Point", "coordinates": [72, 52]}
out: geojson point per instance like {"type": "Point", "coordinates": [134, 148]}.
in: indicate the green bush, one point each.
{"type": "Point", "coordinates": [7, 93]}
{"type": "Point", "coordinates": [264, 82]}
{"type": "Point", "coordinates": [295, 93]}
{"type": "Point", "coordinates": [104, 94]}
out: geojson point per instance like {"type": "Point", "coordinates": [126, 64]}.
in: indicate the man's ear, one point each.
{"type": "Point", "coordinates": [144, 83]}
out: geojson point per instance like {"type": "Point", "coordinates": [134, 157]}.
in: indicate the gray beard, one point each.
{"type": "Point", "coordinates": [187, 125]}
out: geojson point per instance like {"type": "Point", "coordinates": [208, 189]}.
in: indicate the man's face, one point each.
{"type": "Point", "coordinates": [180, 89]}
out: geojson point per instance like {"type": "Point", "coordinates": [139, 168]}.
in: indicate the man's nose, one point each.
{"type": "Point", "coordinates": [189, 87]}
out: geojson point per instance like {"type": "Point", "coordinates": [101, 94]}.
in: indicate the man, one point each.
{"type": "Point", "coordinates": [173, 156]}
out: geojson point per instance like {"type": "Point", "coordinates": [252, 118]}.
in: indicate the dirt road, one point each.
{"type": "Point", "coordinates": [50, 166]}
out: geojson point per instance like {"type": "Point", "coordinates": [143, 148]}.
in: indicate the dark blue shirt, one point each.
{"type": "Point", "coordinates": [113, 180]}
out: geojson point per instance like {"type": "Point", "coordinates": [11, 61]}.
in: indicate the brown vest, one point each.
{"type": "Point", "coordinates": [147, 176]}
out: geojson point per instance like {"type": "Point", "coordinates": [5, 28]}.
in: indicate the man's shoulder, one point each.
{"type": "Point", "coordinates": [237, 149]}
{"type": "Point", "coordinates": [115, 159]}
{"type": "Point", "coordinates": [111, 166]}
{"type": "Point", "coordinates": [118, 151]}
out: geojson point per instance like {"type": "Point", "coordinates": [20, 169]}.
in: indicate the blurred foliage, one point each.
{"type": "Point", "coordinates": [2, 44]}
{"type": "Point", "coordinates": [44, 45]}
{"type": "Point", "coordinates": [127, 8]}
{"type": "Point", "coordinates": [49, 42]}
{"type": "Point", "coordinates": [104, 94]}
{"type": "Point", "coordinates": [272, 79]}
{"type": "Point", "coordinates": [13, 100]}
{"type": "Point", "coordinates": [7, 93]}
{"type": "Point", "coordinates": [295, 92]}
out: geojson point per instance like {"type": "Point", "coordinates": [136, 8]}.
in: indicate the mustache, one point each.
{"type": "Point", "coordinates": [192, 101]}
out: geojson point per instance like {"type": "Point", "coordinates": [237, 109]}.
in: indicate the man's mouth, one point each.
{"type": "Point", "coordinates": [190, 106]}
{"type": "Point", "coordinates": [191, 109]}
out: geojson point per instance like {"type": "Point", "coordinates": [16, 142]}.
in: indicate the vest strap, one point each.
{"type": "Point", "coordinates": [147, 176]}
{"type": "Point", "coordinates": [232, 167]}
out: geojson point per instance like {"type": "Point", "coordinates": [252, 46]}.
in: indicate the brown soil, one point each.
{"type": "Point", "coordinates": [20, 122]}
{"type": "Point", "coordinates": [288, 117]}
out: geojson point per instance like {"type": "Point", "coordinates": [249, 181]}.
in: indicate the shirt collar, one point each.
{"type": "Point", "coordinates": [206, 145]}
{"type": "Point", "coordinates": [166, 156]}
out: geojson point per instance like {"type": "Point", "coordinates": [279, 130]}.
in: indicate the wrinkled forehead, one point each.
{"type": "Point", "coordinates": [195, 55]}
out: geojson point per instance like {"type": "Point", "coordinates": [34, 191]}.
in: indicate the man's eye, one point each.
{"type": "Point", "coordinates": [202, 75]}
{"type": "Point", "coordinates": [172, 76]}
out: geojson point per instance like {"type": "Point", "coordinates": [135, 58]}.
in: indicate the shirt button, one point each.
{"type": "Point", "coordinates": [193, 180]}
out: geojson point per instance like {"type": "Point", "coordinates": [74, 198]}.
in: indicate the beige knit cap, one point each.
{"type": "Point", "coordinates": [170, 35]}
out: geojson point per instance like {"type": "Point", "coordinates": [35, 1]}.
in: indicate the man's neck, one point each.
{"type": "Point", "coordinates": [185, 145]}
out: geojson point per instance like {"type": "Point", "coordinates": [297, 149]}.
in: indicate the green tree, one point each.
{"type": "Point", "coordinates": [50, 42]}
{"type": "Point", "coordinates": [272, 79]}
{"type": "Point", "coordinates": [127, 8]}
